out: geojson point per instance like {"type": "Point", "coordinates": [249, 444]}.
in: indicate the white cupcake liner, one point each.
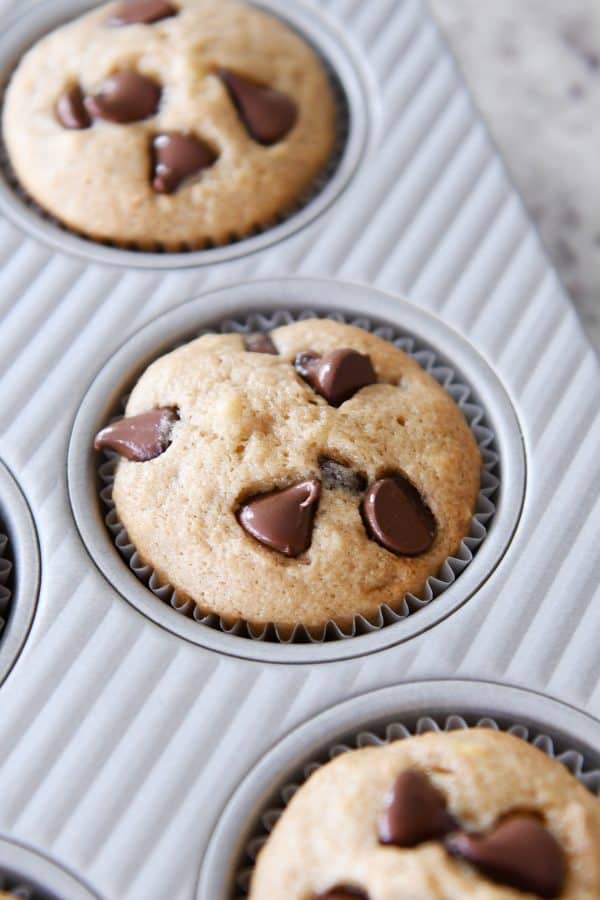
{"type": "Point", "coordinates": [6, 569]}
{"type": "Point", "coordinates": [316, 187]}
{"type": "Point", "coordinates": [466, 400]}
{"type": "Point", "coordinates": [571, 759]}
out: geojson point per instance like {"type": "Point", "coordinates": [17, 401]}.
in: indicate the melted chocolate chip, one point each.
{"type": "Point", "coordinates": [125, 97]}
{"type": "Point", "coordinates": [397, 517]}
{"type": "Point", "coordinates": [260, 343]}
{"type": "Point", "coordinates": [177, 157]}
{"type": "Point", "coordinates": [139, 438]}
{"type": "Point", "coordinates": [519, 852]}
{"type": "Point", "coordinates": [343, 892]}
{"type": "Point", "coordinates": [413, 812]}
{"type": "Point", "coordinates": [133, 12]}
{"type": "Point", "coordinates": [338, 375]}
{"type": "Point", "coordinates": [71, 111]}
{"type": "Point", "coordinates": [268, 114]}
{"type": "Point", "coordinates": [336, 475]}
{"type": "Point", "coordinates": [283, 520]}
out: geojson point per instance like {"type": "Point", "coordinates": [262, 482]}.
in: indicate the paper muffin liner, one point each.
{"type": "Point", "coordinates": [571, 759]}
{"type": "Point", "coordinates": [451, 569]}
{"type": "Point", "coordinates": [6, 569]}
{"type": "Point", "coordinates": [326, 174]}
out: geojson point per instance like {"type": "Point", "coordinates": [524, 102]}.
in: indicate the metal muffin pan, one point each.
{"type": "Point", "coordinates": [34, 877]}
{"type": "Point", "coordinates": [38, 19]}
{"type": "Point", "coordinates": [120, 742]}
{"type": "Point", "coordinates": [187, 321]}
{"type": "Point", "coordinates": [23, 550]}
{"type": "Point", "coordinates": [417, 707]}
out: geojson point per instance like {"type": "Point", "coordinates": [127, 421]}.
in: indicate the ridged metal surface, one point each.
{"type": "Point", "coordinates": [120, 743]}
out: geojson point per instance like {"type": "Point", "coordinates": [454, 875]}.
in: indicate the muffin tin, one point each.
{"type": "Point", "coordinates": [122, 742]}
{"type": "Point", "coordinates": [30, 876]}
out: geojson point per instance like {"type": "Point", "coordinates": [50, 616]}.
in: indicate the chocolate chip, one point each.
{"type": "Point", "coordinates": [414, 811]}
{"type": "Point", "coordinates": [133, 12]}
{"type": "Point", "coordinates": [397, 517]}
{"type": "Point", "coordinates": [125, 97]}
{"type": "Point", "coordinates": [260, 343]}
{"type": "Point", "coordinates": [268, 114]}
{"type": "Point", "coordinates": [71, 111]}
{"type": "Point", "coordinates": [335, 474]}
{"type": "Point", "coordinates": [338, 375]}
{"type": "Point", "coordinates": [283, 520]}
{"type": "Point", "coordinates": [343, 892]}
{"type": "Point", "coordinates": [139, 438]}
{"type": "Point", "coordinates": [519, 852]}
{"type": "Point", "coordinates": [177, 157]}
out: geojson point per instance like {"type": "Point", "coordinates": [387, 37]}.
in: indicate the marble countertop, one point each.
{"type": "Point", "coordinates": [533, 67]}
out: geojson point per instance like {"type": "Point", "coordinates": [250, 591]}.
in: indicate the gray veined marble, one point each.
{"type": "Point", "coordinates": [533, 67]}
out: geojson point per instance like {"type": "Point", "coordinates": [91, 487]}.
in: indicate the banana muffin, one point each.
{"type": "Point", "coordinates": [169, 125]}
{"type": "Point", "coordinates": [443, 816]}
{"type": "Point", "coordinates": [301, 477]}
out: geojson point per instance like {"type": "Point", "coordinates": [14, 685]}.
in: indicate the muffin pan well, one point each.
{"type": "Point", "coordinates": [31, 876]}
{"type": "Point", "coordinates": [439, 350]}
{"type": "Point", "coordinates": [349, 90]}
{"type": "Point", "coordinates": [379, 718]}
{"type": "Point", "coordinates": [19, 571]}
{"type": "Point", "coordinates": [123, 735]}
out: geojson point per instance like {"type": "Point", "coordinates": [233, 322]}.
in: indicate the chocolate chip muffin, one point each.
{"type": "Point", "coordinates": [169, 125]}
{"type": "Point", "coordinates": [298, 478]}
{"type": "Point", "coordinates": [442, 816]}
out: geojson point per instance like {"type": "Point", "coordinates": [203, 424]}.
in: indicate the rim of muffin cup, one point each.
{"type": "Point", "coordinates": [376, 719]}
{"type": "Point", "coordinates": [30, 875]}
{"type": "Point", "coordinates": [349, 86]}
{"type": "Point", "coordinates": [19, 571]}
{"type": "Point", "coordinates": [90, 472]}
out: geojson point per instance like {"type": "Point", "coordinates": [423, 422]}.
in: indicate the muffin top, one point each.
{"type": "Point", "coordinates": [169, 124]}
{"type": "Point", "coordinates": [443, 816]}
{"type": "Point", "coordinates": [300, 478]}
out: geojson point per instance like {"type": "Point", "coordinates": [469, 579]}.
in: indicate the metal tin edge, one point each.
{"type": "Point", "coordinates": [30, 865]}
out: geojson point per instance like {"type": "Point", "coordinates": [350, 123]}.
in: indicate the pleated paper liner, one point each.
{"type": "Point", "coordinates": [6, 570]}
{"type": "Point", "coordinates": [325, 176]}
{"type": "Point", "coordinates": [571, 759]}
{"type": "Point", "coordinates": [465, 398]}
